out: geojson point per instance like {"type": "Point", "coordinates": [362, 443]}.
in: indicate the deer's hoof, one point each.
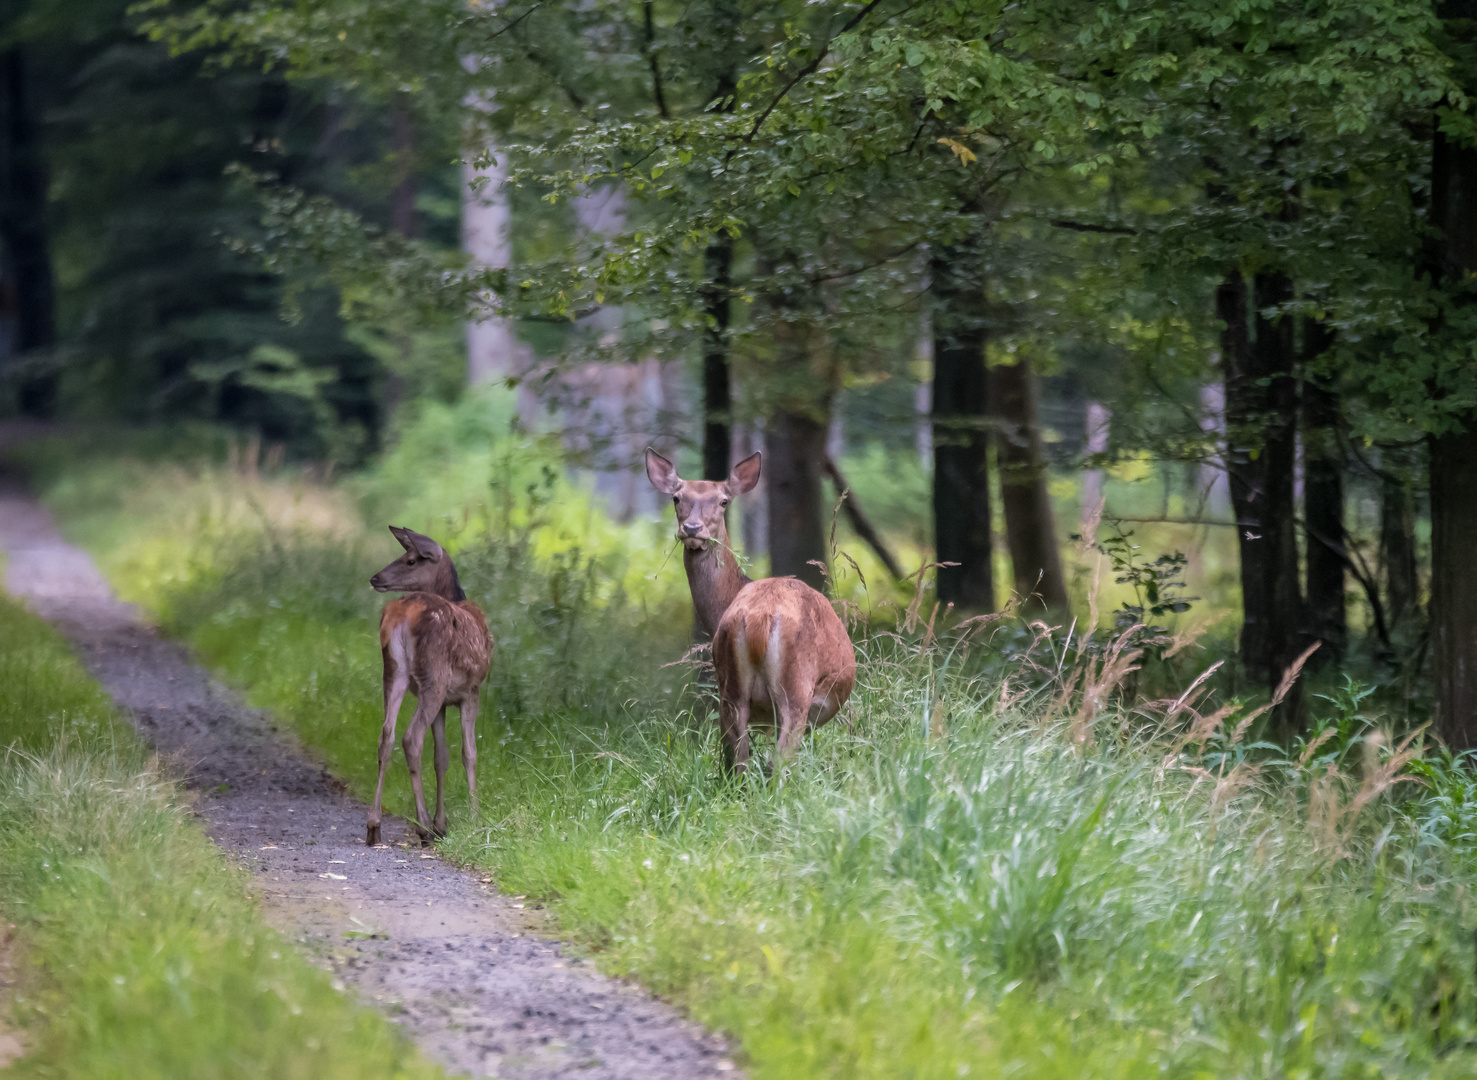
{"type": "Point", "coordinates": [372, 836]}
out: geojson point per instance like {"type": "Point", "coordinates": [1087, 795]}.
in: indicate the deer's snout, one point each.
{"type": "Point", "coordinates": [691, 528]}
{"type": "Point", "coordinates": [377, 583]}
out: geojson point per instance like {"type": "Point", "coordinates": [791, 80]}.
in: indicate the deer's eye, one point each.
{"type": "Point", "coordinates": [723, 503]}
{"type": "Point", "coordinates": [676, 501]}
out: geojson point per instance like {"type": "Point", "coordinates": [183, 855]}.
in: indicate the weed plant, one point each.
{"type": "Point", "coordinates": [135, 951]}
{"type": "Point", "coordinates": [984, 867]}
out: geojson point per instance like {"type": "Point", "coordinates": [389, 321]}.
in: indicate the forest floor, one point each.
{"type": "Point", "coordinates": [466, 970]}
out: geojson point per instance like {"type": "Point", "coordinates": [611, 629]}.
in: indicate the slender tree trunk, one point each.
{"type": "Point", "coordinates": [961, 481]}
{"type": "Point", "coordinates": [1397, 549]}
{"type": "Point", "coordinates": [23, 231]}
{"type": "Point", "coordinates": [795, 449]}
{"type": "Point", "coordinates": [403, 217]}
{"type": "Point", "coordinates": [1453, 454]}
{"type": "Point", "coordinates": [1261, 448]}
{"type": "Point", "coordinates": [1030, 524]}
{"type": "Point", "coordinates": [1454, 584]}
{"type": "Point", "coordinates": [1323, 503]}
{"type": "Point", "coordinates": [717, 397]}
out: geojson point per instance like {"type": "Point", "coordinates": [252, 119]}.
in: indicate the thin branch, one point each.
{"type": "Point", "coordinates": [808, 70]}
{"type": "Point", "coordinates": [859, 521]}
{"type": "Point", "coordinates": [905, 249]}
{"type": "Point", "coordinates": [1082, 226]}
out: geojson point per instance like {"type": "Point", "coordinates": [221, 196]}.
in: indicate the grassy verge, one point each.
{"type": "Point", "coordinates": [137, 952]}
{"type": "Point", "coordinates": [974, 876]}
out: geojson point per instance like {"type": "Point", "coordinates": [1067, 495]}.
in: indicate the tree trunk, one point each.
{"type": "Point", "coordinates": [1261, 447]}
{"type": "Point", "coordinates": [403, 217]}
{"type": "Point", "coordinates": [961, 481]}
{"type": "Point", "coordinates": [1030, 525]}
{"type": "Point", "coordinates": [1323, 504]}
{"type": "Point", "coordinates": [23, 232]}
{"type": "Point", "coordinates": [1454, 585]}
{"type": "Point", "coordinates": [717, 397]}
{"type": "Point", "coordinates": [1453, 461]}
{"type": "Point", "coordinates": [494, 352]}
{"type": "Point", "coordinates": [1397, 548]}
{"type": "Point", "coordinates": [795, 452]}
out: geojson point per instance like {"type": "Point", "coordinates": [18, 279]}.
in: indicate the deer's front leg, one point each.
{"type": "Point", "coordinates": [469, 745]}
{"type": "Point", "coordinates": [412, 744]}
{"type": "Point", "coordinates": [442, 759]}
{"type": "Point", "coordinates": [396, 683]}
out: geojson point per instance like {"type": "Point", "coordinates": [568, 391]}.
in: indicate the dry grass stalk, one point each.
{"type": "Point", "coordinates": [1099, 681]}
{"type": "Point", "coordinates": [1380, 776]}
{"type": "Point", "coordinates": [1333, 821]}
{"type": "Point", "coordinates": [1312, 748]}
{"type": "Point", "coordinates": [1178, 643]}
{"type": "Point", "coordinates": [910, 616]}
{"type": "Point", "coordinates": [1187, 698]}
{"type": "Point", "coordinates": [1226, 789]}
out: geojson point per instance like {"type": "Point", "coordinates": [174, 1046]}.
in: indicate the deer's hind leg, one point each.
{"type": "Point", "coordinates": [442, 759]}
{"type": "Point", "coordinates": [397, 682]}
{"type": "Point", "coordinates": [427, 709]}
{"type": "Point", "coordinates": [469, 743]}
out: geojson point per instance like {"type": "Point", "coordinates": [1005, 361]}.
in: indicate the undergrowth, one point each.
{"type": "Point", "coordinates": [996, 862]}
{"type": "Point", "coordinates": [135, 951]}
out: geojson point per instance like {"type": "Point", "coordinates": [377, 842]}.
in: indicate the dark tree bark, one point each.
{"type": "Point", "coordinates": [1397, 549]}
{"type": "Point", "coordinates": [23, 230]}
{"type": "Point", "coordinates": [1261, 444]}
{"type": "Point", "coordinates": [403, 218]}
{"type": "Point", "coordinates": [717, 292]}
{"type": "Point", "coordinates": [1453, 454]}
{"type": "Point", "coordinates": [795, 456]}
{"type": "Point", "coordinates": [1030, 524]}
{"type": "Point", "coordinates": [717, 400]}
{"type": "Point", "coordinates": [961, 481]}
{"type": "Point", "coordinates": [1323, 503]}
{"type": "Point", "coordinates": [800, 395]}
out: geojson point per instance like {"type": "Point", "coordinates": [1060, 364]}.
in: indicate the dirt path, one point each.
{"type": "Point", "coordinates": [463, 968]}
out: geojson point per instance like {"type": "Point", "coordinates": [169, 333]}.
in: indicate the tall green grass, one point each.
{"type": "Point", "coordinates": [137, 951]}
{"type": "Point", "coordinates": [966, 874]}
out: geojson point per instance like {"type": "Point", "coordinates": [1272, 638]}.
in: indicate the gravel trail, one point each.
{"type": "Point", "coordinates": [467, 971]}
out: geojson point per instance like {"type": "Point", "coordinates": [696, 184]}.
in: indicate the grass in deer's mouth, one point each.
{"type": "Point", "coordinates": [137, 953]}
{"type": "Point", "coordinates": [953, 879]}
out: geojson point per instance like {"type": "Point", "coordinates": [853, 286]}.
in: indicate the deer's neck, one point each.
{"type": "Point", "coordinates": [714, 576]}
{"type": "Point", "coordinates": [448, 585]}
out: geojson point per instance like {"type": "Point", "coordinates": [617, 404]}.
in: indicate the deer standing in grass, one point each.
{"type": "Point", "coordinates": [436, 645]}
{"type": "Point", "coordinates": [783, 659]}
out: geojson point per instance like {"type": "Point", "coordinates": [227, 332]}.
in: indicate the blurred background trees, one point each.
{"type": "Point", "coordinates": [961, 269]}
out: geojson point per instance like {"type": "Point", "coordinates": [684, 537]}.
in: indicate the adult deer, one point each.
{"type": "Point", "coordinates": [436, 645]}
{"type": "Point", "coordinates": [783, 659]}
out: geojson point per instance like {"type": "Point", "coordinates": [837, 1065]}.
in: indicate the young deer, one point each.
{"type": "Point", "coordinates": [436, 645]}
{"type": "Point", "coordinates": [783, 659]}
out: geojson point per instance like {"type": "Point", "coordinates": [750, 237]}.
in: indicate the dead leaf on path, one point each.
{"type": "Point", "coordinates": [334, 877]}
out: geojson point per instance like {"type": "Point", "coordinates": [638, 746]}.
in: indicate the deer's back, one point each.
{"type": "Point", "coordinates": [780, 630]}
{"type": "Point", "coordinates": [437, 640]}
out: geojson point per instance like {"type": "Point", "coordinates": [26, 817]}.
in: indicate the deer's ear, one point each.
{"type": "Point", "coordinates": [744, 476]}
{"type": "Point", "coordinates": [413, 541]}
{"type": "Point", "coordinates": [662, 473]}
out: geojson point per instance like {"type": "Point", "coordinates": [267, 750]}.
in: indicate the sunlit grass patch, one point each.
{"type": "Point", "coordinates": [137, 951]}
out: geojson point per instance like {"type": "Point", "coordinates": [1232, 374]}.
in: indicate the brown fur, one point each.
{"type": "Point", "coordinates": [783, 659]}
{"type": "Point", "coordinates": [435, 645]}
